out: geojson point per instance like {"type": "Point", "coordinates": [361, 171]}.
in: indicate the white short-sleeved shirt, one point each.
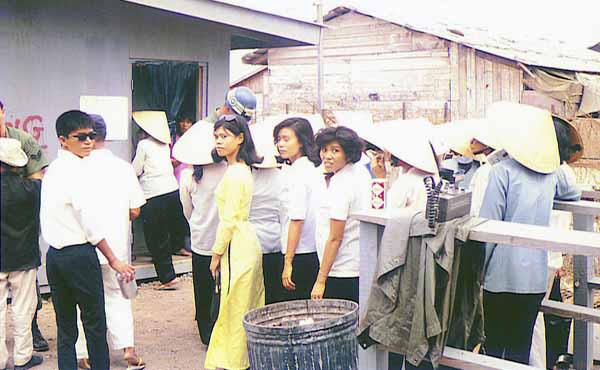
{"type": "Point", "coordinates": [348, 192]}
{"type": "Point", "coordinates": [66, 218]}
{"type": "Point", "coordinates": [408, 191]}
{"type": "Point", "coordinates": [301, 201]}
{"type": "Point", "coordinates": [266, 207]}
{"type": "Point", "coordinates": [114, 191]}
{"type": "Point", "coordinates": [200, 207]}
{"type": "Point", "coordinates": [152, 164]}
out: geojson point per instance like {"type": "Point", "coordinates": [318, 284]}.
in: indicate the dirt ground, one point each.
{"type": "Point", "coordinates": [165, 331]}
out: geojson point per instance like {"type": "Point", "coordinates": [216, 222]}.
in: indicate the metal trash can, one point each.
{"type": "Point", "coordinates": [303, 335]}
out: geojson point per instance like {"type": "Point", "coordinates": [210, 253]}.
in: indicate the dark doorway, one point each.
{"type": "Point", "coordinates": [173, 87]}
{"type": "Point", "coordinates": [170, 86]}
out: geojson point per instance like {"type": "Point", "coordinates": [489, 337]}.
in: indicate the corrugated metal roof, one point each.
{"type": "Point", "coordinates": [538, 52]}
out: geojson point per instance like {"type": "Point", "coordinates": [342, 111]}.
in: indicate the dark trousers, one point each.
{"type": "Point", "coordinates": [272, 269]}
{"type": "Point", "coordinates": [75, 280]}
{"type": "Point", "coordinates": [204, 286]}
{"type": "Point", "coordinates": [342, 288]}
{"type": "Point", "coordinates": [509, 321]}
{"type": "Point", "coordinates": [305, 269]}
{"type": "Point", "coordinates": [557, 329]}
{"type": "Point", "coordinates": [164, 232]}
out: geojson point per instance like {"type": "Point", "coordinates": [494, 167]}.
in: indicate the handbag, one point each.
{"type": "Point", "coordinates": [215, 302]}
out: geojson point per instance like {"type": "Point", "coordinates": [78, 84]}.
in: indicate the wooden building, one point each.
{"type": "Point", "coordinates": [397, 68]}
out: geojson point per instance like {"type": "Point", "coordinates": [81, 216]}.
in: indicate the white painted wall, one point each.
{"type": "Point", "coordinates": [53, 52]}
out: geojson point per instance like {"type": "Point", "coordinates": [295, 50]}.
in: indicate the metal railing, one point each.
{"type": "Point", "coordinates": [581, 242]}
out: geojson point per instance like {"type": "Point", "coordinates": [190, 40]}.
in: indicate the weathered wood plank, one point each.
{"type": "Point", "coordinates": [521, 235]}
{"type": "Point", "coordinates": [462, 82]}
{"type": "Point", "coordinates": [582, 207]}
{"type": "Point", "coordinates": [570, 310]}
{"type": "Point", "coordinates": [454, 82]}
{"type": "Point", "coordinates": [471, 84]}
{"type": "Point", "coordinates": [472, 361]}
{"type": "Point", "coordinates": [537, 237]}
{"type": "Point", "coordinates": [590, 194]}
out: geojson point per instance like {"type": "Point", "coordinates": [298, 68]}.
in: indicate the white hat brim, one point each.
{"type": "Point", "coordinates": [154, 123]}
{"type": "Point", "coordinates": [409, 141]}
{"type": "Point", "coordinates": [196, 145]}
{"type": "Point", "coordinates": [262, 135]}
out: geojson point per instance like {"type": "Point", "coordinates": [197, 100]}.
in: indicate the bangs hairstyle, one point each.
{"type": "Point", "coordinates": [304, 133]}
{"type": "Point", "coordinates": [182, 120]}
{"type": "Point", "coordinates": [347, 138]}
{"type": "Point", "coordinates": [237, 125]}
{"type": "Point", "coordinates": [71, 121]}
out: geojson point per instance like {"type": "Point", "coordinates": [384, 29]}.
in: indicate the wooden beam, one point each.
{"type": "Point", "coordinates": [473, 361]}
{"type": "Point", "coordinates": [582, 207]}
{"type": "Point", "coordinates": [570, 310]}
{"type": "Point", "coordinates": [590, 194]}
{"type": "Point", "coordinates": [537, 237]}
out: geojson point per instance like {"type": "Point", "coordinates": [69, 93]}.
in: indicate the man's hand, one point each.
{"type": "Point", "coordinates": [126, 270]}
{"type": "Point", "coordinates": [215, 263]}
{"type": "Point", "coordinates": [286, 277]}
{"type": "Point", "coordinates": [378, 165]}
{"type": "Point", "coordinates": [318, 290]}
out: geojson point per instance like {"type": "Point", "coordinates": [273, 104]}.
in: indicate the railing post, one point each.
{"type": "Point", "coordinates": [583, 336]}
{"type": "Point", "coordinates": [370, 237]}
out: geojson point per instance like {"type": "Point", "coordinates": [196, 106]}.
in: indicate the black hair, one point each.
{"type": "Point", "coordinates": [348, 139]}
{"type": "Point", "coordinates": [1, 105]}
{"type": "Point", "coordinates": [199, 168]}
{"type": "Point", "coordinates": [198, 172]}
{"type": "Point", "coordinates": [304, 133]}
{"type": "Point", "coordinates": [237, 125]}
{"type": "Point", "coordinates": [566, 148]}
{"type": "Point", "coordinates": [71, 121]}
{"type": "Point", "coordinates": [182, 119]}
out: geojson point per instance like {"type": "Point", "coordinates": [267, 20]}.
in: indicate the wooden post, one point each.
{"type": "Point", "coordinates": [370, 238]}
{"type": "Point", "coordinates": [583, 336]}
{"type": "Point", "coordinates": [320, 59]}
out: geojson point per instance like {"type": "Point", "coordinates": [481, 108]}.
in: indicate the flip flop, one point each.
{"type": "Point", "coordinates": [132, 366]}
{"type": "Point", "coordinates": [84, 363]}
{"type": "Point", "coordinates": [171, 285]}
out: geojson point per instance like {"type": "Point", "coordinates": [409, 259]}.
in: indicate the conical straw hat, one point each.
{"type": "Point", "coordinates": [315, 120]}
{"type": "Point", "coordinates": [458, 134]}
{"type": "Point", "coordinates": [154, 123]}
{"type": "Point", "coordinates": [196, 145]}
{"type": "Point", "coordinates": [527, 134]}
{"type": "Point", "coordinates": [570, 146]}
{"type": "Point", "coordinates": [409, 141]}
{"type": "Point", "coordinates": [262, 135]}
{"type": "Point", "coordinates": [485, 135]}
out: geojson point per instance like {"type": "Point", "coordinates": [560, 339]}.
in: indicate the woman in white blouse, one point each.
{"type": "Point", "coordinates": [265, 210]}
{"type": "Point", "coordinates": [197, 194]}
{"type": "Point", "coordinates": [295, 142]}
{"type": "Point", "coordinates": [347, 190]}
{"type": "Point", "coordinates": [164, 224]}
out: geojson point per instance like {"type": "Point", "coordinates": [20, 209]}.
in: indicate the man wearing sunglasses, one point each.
{"type": "Point", "coordinates": [69, 224]}
{"type": "Point", "coordinates": [34, 170]}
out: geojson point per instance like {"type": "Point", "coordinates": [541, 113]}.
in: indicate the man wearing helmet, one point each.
{"type": "Point", "coordinates": [239, 100]}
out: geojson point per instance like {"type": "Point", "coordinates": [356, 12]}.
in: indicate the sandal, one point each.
{"type": "Point", "coordinates": [171, 285]}
{"type": "Point", "coordinates": [84, 363]}
{"type": "Point", "coordinates": [133, 365]}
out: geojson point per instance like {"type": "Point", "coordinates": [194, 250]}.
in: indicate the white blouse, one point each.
{"type": "Point", "coordinates": [348, 192]}
{"type": "Point", "coordinates": [152, 164]}
{"type": "Point", "coordinates": [301, 201]}
{"type": "Point", "coordinates": [200, 207]}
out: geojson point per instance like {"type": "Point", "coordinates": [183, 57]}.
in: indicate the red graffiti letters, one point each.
{"type": "Point", "coordinates": [33, 125]}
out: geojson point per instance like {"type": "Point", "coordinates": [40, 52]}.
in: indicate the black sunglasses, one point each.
{"type": "Point", "coordinates": [84, 136]}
